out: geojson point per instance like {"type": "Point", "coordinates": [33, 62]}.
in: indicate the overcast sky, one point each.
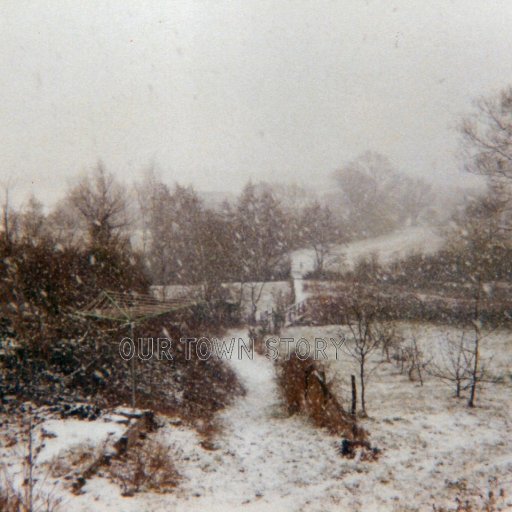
{"type": "Point", "coordinates": [214, 92]}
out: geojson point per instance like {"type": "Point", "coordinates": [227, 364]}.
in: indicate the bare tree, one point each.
{"type": "Point", "coordinates": [260, 237]}
{"type": "Point", "coordinates": [487, 135]}
{"type": "Point", "coordinates": [476, 375]}
{"type": "Point", "coordinates": [66, 225]}
{"type": "Point", "coordinates": [485, 249]}
{"type": "Point", "coordinates": [379, 199]}
{"type": "Point", "coordinates": [417, 362]}
{"type": "Point", "coordinates": [455, 363]}
{"type": "Point", "coordinates": [487, 145]}
{"type": "Point", "coordinates": [390, 339]}
{"type": "Point", "coordinates": [319, 230]}
{"type": "Point", "coordinates": [156, 225]}
{"type": "Point", "coordinates": [364, 339]}
{"type": "Point", "coordinates": [461, 364]}
{"type": "Point", "coordinates": [33, 225]}
{"type": "Point", "coordinates": [415, 199]}
{"type": "Point", "coordinates": [6, 224]}
{"type": "Point", "coordinates": [102, 203]}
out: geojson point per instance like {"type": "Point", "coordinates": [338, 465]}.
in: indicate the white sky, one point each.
{"type": "Point", "coordinates": [213, 92]}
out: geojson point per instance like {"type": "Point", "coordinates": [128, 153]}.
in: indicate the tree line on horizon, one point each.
{"type": "Point", "coordinates": [180, 239]}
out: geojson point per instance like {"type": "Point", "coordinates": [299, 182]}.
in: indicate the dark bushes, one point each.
{"type": "Point", "coordinates": [399, 303]}
{"type": "Point", "coordinates": [51, 355]}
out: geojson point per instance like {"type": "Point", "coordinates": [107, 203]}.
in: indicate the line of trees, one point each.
{"type": "Point", "coordinates": [178, 238]}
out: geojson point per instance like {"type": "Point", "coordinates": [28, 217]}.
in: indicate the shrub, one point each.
{"type": "Point", "coordinates": [147, 466]}
{"type": "Point", "coordinates": [305, 389]}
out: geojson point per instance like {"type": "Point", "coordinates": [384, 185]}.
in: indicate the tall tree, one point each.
{"type": "Point", "coordinates": [320, 231]}
{"type": "Point", "coordinates": [154, 198]}
{"type": "Point", "coordinates": [9, 221]}
{"type": "Point", "coordinates": [184, 241]}
{"type": "Point", "coordinates": [33, 224]}
{"type": "Point", "coordinates": [102, 204]}
{"type": "Point", "coordinates": [260, 234]}
{"type": "Point", "coordinates": [487, 144]}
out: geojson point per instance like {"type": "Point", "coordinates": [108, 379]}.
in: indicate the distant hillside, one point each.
{"type": "Point", "coordinates": [388, 248]}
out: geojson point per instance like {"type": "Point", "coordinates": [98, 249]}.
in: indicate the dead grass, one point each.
{"type": "Point", "coordinates": [305, 390]}
{"type": "Point", "coordinates": [14, 500]}
{"type": "Point", "coordinates": [148, 466]}
{"type": "Point", "coordinates": [10, 500]}
{"type": "Point", "coordinates": [26, 492]}
{"type": "Point", "coordinates": [76, 460]}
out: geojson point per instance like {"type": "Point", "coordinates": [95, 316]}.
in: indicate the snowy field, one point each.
{"type": "Point", "coordinates": [388, 248]}
{"type": "Point", "coordinates": [433, 447]}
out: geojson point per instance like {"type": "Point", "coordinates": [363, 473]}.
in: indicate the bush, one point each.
{"type": "Point", "coordinates": [147, 466]}
{"type": "Point", "coordinates": [305, 390]}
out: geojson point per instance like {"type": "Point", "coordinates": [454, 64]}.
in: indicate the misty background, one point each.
{"type": "Point", "coordinates": [214, 93]}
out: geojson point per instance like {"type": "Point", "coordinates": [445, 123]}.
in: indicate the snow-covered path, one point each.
{"type": "Point", "coordinates": [269, 461]}
{"type": "Point", "coordinates": [298, 271]}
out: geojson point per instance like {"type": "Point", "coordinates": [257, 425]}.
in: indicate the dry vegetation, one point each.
{"type": "Point", "coordinates": [305, 390]}
{"type": "Point", "coordinates": [147, 466]}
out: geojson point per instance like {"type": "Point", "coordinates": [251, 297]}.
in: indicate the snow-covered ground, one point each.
{"type": "Point", "coordinates": [433, 446]}
{"type": "Point", "coordinates": [388, 248]}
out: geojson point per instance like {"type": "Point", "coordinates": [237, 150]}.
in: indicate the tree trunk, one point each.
{"type": "Point", "coordinates": [386, 353]}
{"type": "Point", "coordinates": [133, 369]}
{"type": "Point", "coordinates": [354, 394]}
{"type": "Point", "coordinates": [361, 378]}
{"type": "Point", "coordinates": [474, 376]}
